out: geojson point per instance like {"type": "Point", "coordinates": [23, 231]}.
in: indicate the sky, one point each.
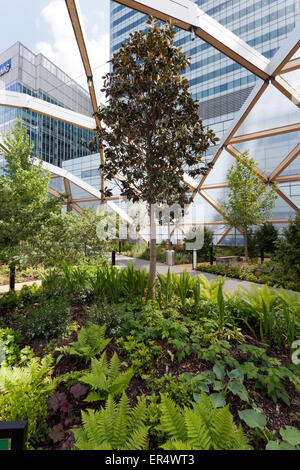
{"type": "Point", "coordinates": [44, 26]}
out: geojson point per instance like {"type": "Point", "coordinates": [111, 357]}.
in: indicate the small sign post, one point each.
{"type": "Point", "coordinates": [13, 435]}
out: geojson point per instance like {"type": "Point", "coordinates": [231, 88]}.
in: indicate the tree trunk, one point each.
{"type": "Point", "coordinates": [152, 267]}
{"type": "Point", "coordinates": [12, 277]}
{"type": "Point", "coordinates": [246, 244]}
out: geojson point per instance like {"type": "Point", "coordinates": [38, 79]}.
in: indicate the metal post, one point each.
{"type": "Point", "coordinates": [12, 277]}
{"type": "Point", "coordinates": [211, 254]}
{"type": "Point", "coordinates": [113, 257]}
{"type": "Point", "coordinates": [120, 247]}
{"type": "Point", "coordinates": [194, 259]}
{"type": "Point", "coordinates": [262, 257]}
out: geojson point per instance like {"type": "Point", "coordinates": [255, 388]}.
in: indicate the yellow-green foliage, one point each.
{"type": "Point", "coordinates": [202, 428]}
{"type": "Point", "coordinates": [106, 379]}
{"type": "Point", "coordinates": [91, 341]}
{"type": "Point", "coordinates": [114, 427]}
{"type": "Point", "coordinates": [24, 392]}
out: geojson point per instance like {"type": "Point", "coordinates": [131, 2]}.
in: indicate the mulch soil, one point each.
{"type": "Point", "coordinates": [61, 421]}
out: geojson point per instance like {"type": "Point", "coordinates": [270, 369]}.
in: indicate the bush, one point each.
{"type": "Point", "coordinates": [102, 313]}
{"type": "Point", "coordinates": [24, 393]}
{"type": "Point", "coordinates": [47, 320]}
{"type": "Point", "coordinates": [10, 353]}
{"type": "Point", "coordinates": [288, 254]}
{"type": "Point", "coordinates": [266, 237]}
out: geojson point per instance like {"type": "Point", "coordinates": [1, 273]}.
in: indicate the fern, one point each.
{"type": "Point", "coordinates": [106, 379]}
{"type": "Point", "coordinates": [202, 428]}
{"type": "Point", "coordinates": [113, 427]}
{"type": "Point", "coordinates": [210, 289]}
{"type": "Point", "coordinates": [91, 341]}
{"type": "Point", "coordinates": [24, 392]}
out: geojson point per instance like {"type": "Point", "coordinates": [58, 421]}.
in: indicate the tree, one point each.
{"type": "Point", "coordinates": [70, 238]}
{"type": "Point", "coordinates": [249, 201]}
{"type": "Point", "coordinates": [152, 132]}
{"type": "Point", "coordinates": [288, 254]}
{"type": "Point", "coordinates": [266, 237]}
{"type": "Point", "coordinates": [24, 202]}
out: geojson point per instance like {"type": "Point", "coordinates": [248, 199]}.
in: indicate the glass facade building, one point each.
{"type": "Point", "coordinates": [54, 141]}
{"type": "Point", "coordinates": [222, 86]}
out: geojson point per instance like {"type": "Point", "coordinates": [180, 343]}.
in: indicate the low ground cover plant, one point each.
{"type": "Point", "coordinates": [193, 353]}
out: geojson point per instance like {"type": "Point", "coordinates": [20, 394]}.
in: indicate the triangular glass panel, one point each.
{"type": "Point", "coordinates": [268, 153]}
{"type": "Point", "coordinates": [272, 110]}
{"type": "Point", "coordinates": [220, 168]}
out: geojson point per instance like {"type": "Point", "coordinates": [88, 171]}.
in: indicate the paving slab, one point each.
{"type": "Point", "coordinates": [19, 285]}
{"type": "Point", "coordinates": [230, 285]}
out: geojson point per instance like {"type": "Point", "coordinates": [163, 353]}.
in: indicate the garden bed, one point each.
{"type": "Point", "coordinates": [177, 349]}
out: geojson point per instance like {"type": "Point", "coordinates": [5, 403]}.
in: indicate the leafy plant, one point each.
{"type": "Point", "coordinates": [24, 392]}
{"type": "Point", "coordinates": [202, 428]}
{"type": "Point", "coordinates": [261, 303]}
{"type": "Point", "coordinates": [210, 289]}
{"type": "Point", "coordinates": [116, 426]}
{"type": "Point", "coordinates": [290, 440]}
{"type": "Point", "coordinates": [10, 352]}
{"type": "Point", "coordinates": [90, 342]}
{"type": "Point", "coordinates": [49, 319]}
{"type": "Point", "coordinates": [140, 354]}
{"type": "Point", "coordinates": [106, 379]}
{"type": "Point", "coordinates": [102, 313]}
{"type": "Point", "coordinates": [176, 388]}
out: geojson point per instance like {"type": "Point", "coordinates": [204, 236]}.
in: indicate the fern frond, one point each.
{"type": "Point", "coordinates": [137, 415]}
{"type": "Point", "coordinates": [138, 439]}
{"type": "Point", "coordinates": [197, 431]}
{"type": "Point", "coordinates": [173, 444]}
{"type": "Point", "coordinates": [172, 422]}
{"type": "Point", "coordinates": [92, 432]}
{"type": "Point", "coordinates": [114, 368]}
{"type": "Point", "coordinates": [120, 429]}
{"type": "Point", "coordinates": [223, 430]}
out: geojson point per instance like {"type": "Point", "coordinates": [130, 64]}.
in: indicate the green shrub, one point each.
{"type": "Point", "coordinates": [102, 313]}
{"type": "Point", "coordinates": [202, 428]}
{"type": "Point", "coordinates": [10, 352]}
{"type": "Point", "coordinates": [24, 393]}
{"type": "Point", "coordinates": [49, 319]}
{"type": "Point", "coordinates": [91, 341]}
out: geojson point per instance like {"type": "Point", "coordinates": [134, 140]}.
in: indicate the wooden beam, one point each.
{"type": "Point", "coordinates": [224, 235]}
{"type": "Point", "coordinates": [71, 6]}
{"type": "Point", "coordinates": [235, 153]}
{"type": "Point", "coordinates": [287, 178]}
{"type": "Point", "coordinates": [290, 66]}
{"type": "Point", "coordinates": [287, 90]}
{"type": "Point", "coordinates": [266, 133]}
{"type": "Point", "coordinates": [187, 15]}
{"type": "Point", "coordinates": [285, 163]}
{"type": "Point", "coordinates": [211, 201]}
{"type": "Point", "coordinates": [246, 109]}
{"type": "Point", "coordinates": [287, 200]}
{"type": "Point", "coordinates": [214, 186]}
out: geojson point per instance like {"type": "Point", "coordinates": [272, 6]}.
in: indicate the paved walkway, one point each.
{"type": "Point", "coordinates": [19, 285]}
{"type": "Point", "coordinates": [162, 268]}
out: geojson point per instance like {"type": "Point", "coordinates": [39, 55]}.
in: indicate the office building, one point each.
{"type": "Point", "coordinates": [55, 141]}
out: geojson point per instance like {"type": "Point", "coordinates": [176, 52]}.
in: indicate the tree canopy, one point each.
{"type": "Point", "coordinates": [249, 200]}
{"type": "Point", "coordinates": [24, 202]}
{"type": "Point", "coordinates": [151, 130]}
